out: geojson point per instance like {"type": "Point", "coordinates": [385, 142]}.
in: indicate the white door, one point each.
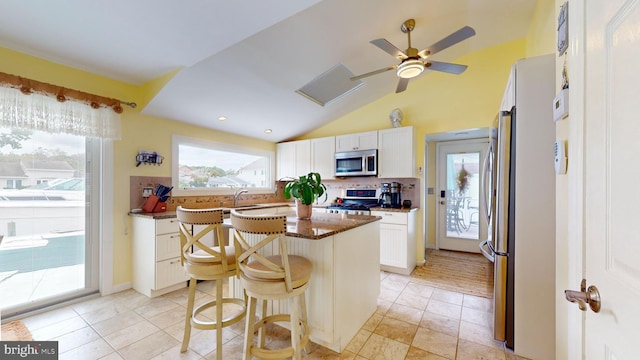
{"type": "Point", "coordinates": [611, 148]}
{"type": "Point", "coordinates": [459, 164]}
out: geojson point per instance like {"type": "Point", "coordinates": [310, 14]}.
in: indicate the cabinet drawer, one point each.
{"type": "Point", "coordinates": [167, 246]}
{"type": "Point", "coordinates": [165, 226]}
{"type": "Point", "coordinates": [169, 272]}
{"type": "Point", "coordinates": [391, 217]}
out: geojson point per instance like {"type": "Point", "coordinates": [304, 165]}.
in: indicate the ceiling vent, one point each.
{"type": "Point", "coordinates": [330, 86]}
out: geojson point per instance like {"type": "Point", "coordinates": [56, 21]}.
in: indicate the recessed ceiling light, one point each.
{"type": "Point", "coordinates": [267, 131]}
{"type": "Point", "coordinates": [222, 118]}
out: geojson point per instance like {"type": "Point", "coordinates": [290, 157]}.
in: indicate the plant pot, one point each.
{"type": "Point", "coordinates": [303, 211]}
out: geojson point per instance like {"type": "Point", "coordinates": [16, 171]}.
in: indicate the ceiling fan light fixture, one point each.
{"type": "Point", "coordinates": [410, 68]}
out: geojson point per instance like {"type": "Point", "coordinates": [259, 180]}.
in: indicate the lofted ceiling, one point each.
{"type": "Point", "coordinates": [245, 59]}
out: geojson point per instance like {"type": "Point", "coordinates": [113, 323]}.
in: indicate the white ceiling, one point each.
{"type": "Point", "coordinates": [245, 59]}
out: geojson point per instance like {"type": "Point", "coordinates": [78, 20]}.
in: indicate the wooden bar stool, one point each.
{"type": "Point", "coordinates": [204, 262]}
{"type": "Point", "coordinates": [268, 272]}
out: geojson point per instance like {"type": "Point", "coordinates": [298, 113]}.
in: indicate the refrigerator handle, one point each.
{"type": "Point", "coordinates": [485, 183]}
{"type": "Point", "coordinates": [487, 250]}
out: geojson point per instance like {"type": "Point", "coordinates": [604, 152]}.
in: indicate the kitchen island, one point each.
{"type": "Point", "coordinates": [345, 281]}
{"type": "Point", "coordinates": [344, 250]}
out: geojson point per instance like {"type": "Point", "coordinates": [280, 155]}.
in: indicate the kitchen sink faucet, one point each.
{"type": "Point", "coordinates": [237, 195]}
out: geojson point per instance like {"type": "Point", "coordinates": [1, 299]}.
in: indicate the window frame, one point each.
{"type": "Point", "coordinates": [178, 140]}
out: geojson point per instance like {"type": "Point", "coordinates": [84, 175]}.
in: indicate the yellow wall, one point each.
{"type": "Point", "coordinates": [435, 103]}
{"type": "Point", "coordinates": [138, 132]}
{"type": "Point", "coordinates": [541, 36]}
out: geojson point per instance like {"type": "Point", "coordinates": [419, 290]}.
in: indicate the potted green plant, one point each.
{"type": "Point", "coordinates": [305, 189]}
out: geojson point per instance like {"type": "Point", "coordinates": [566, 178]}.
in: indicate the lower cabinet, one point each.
{"type": "Point", "coordinates": [156, 267]}
{"type": "Point", "coordinates": [397, 241]}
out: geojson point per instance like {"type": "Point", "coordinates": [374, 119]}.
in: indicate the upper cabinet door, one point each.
{"type": "Point", "coordinates": [322, 159]}
{"type": "Point", "coordinates": [294, 159]}
{"type": "Point", "coordinates": [396, 153]}
{"type": "Point", "coordinates": [360, 141]}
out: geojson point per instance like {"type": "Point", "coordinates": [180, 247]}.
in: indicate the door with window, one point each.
{"type": "Point", "coordinates": [459, 171]}
{"type": "Point", "coordinates": [46, 184]}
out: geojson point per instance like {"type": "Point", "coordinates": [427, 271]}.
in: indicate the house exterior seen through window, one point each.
{"type": "Point", "coordinates": [214, 166]}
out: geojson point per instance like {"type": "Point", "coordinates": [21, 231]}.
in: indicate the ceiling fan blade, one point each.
{"type": "Point", "coordinates": [446, 67]}
{"type": "Point", "coordinates": [389, 48]}
{"type": "Point", "coordinates": [462, 34]}
{"type": "Point", "coordinates": [402, 85]}
{"type": "Point", "coordinates": [373, 73]}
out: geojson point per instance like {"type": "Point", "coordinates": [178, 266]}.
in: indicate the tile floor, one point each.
{"type": "Point", "coordinates": [413, 321]}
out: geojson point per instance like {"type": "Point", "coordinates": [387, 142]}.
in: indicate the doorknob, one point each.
{"type": "Point", "coordinates": [585, 296]}
{"type": "Point", "coordinates": [442, 202]}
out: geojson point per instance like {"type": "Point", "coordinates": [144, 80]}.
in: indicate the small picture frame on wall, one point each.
{"type": "Point", "coordinates": [563, 28]}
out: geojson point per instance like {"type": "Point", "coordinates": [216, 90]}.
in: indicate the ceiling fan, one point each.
{"type": "Point", "coordinates": [413, 62]}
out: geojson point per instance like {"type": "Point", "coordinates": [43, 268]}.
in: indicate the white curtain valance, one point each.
{"type": "Point", "coordinates": [37, 111]}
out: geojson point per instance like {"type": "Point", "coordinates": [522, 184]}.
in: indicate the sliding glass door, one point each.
{"type": "Point", "coordinates": [48, 247]}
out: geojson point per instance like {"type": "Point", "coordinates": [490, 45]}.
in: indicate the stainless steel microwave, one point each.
{"type": "Point", "coordinates": [357, 163]}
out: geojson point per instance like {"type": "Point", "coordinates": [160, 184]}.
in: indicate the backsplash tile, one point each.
{"type": "Point", "coordinates": [137, 183]}
{"type": "Point", "coordinates": [410, 187]}
{"type": "Point", "coordinates": [335, 189]}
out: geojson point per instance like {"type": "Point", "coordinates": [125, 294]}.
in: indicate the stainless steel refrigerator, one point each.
{"type": "Point", "coordinates": [522, 221]}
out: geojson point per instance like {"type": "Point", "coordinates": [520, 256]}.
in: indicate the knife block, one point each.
{"type": "Point", "coordinates": [160, 207]}
{"type": "Point", "coordinates": [153, 204]}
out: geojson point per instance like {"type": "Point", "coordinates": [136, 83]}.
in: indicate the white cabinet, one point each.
{"type": "Point", "coordinates": [360, 141]}
{"type": "Point", "coordinates": [397, 241]}
{"type": "Point", "coordinates": [396, 153]}
{"type": "Point", "coordinates": [294, 159]}
{"type": "Point", "coordinates": [156, 267]}
{"type": "Point", "coordinates": [322, 159]}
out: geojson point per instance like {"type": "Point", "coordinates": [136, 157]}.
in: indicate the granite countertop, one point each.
{"type": "Point", "coordinates": [320, 225]}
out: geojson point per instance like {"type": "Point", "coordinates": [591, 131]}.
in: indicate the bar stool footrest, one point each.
{"type": "Point", "coordinates": [279, 353]}
{"type": "Point", "coordinates": [211, 325]}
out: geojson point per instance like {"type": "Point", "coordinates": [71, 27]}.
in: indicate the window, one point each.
{"type": "Point", "coordinates": [14, 184]}
{"type": "Point", "coordinates": [207, 167]}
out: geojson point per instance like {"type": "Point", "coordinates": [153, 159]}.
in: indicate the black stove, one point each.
{"type": "Point", "coordinates": [356, 201]}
